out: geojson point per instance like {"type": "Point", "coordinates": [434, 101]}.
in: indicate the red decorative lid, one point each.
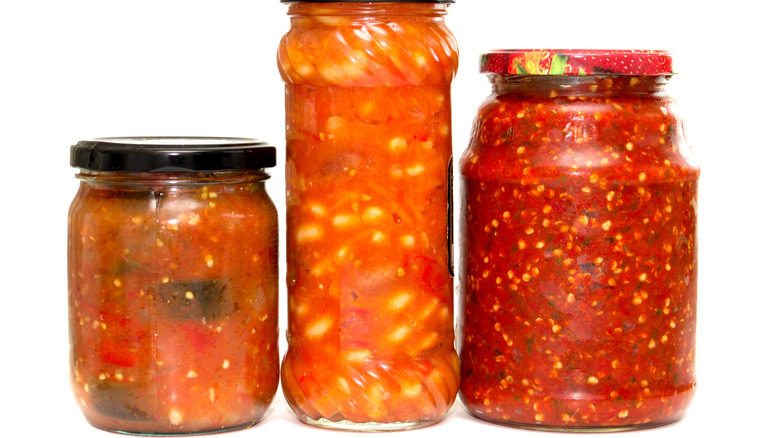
{"type": "Point", "coordinates": [578, 62]}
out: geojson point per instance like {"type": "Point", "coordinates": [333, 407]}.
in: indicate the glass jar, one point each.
{"type": "Point", "coordinates": [369, 150]}
{"type": "Point", "coordinates": [579, 260]}
{"type": "Point", "coordinates": [172, 284]}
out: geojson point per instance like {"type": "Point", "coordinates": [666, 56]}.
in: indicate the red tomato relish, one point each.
{"type": "Point", "coordinates": [172, 285]}
{"type": "Point", "coordinates": [579, 257]}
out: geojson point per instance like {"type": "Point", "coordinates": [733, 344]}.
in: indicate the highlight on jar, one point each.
{"type": "Point", "coordinates": [173, 284]}
{"type": "Point", "coordinates": [579, 249]}
{"type": "Point", "coordinates": [369, 152]}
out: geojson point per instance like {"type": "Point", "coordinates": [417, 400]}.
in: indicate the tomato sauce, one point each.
{"type": "Point", "coordinates": [579, 259]}
{"type": "Point", "coordinates": [172, 293]}
{"type": "Point", "coordinates": [369, 147]}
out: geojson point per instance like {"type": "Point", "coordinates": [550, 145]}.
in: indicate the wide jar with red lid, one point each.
{"type": "Point", "coordinates": [173, 284]}
{"type": "Point", "coordinates": [579, 252]}
{"type": "Point", "coordinates": [369, 152]}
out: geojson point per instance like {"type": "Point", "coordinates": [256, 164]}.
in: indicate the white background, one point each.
{"type": "Point", "coordinates": [73, 70]}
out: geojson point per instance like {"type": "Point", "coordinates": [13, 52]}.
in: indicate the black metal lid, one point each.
{"type": "Point", "coordinates": [171, 154]}
{"type": "Point", "coordinates": [368, 1]}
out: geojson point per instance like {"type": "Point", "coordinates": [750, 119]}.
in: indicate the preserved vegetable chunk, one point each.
{"type": "Point", "coordinates": [194, 299]}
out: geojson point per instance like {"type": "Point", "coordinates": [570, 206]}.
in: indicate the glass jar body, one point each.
{"type": "Point", "coordinates": [579, 255]}
{"type": "Point", "coordinates": [369, 148]}
{"type": "Point", "coordinates": [173, 306]}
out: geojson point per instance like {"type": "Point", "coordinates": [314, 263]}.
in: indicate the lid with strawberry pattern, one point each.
{"type": "Point", "coordinates": [578, 62]}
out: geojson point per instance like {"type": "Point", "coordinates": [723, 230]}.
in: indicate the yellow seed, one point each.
{"type": "Point", "coordinates": [399, 300]}
{"type": "Point", "coordinates": [623, 413]}
{"type": "Point", "coordinates": [378, 237]}
{"type": "Point", "coordinates": [175, 417]}
{"type": "Point", "coordinates": [411, 389]}
{"type": "Point", "coordinates": [372, 214]}
{"type": "Point", "coordinates": [317, 209]}
{"type": "Point", "coordinates": [309, 232]}
{"type": "Point", "coordinates": [357, 355]}
{"type": "Point", "coordinates": [606, 225]}
{"type": "Point", "coordinates": [398, 144]}
{"type": "Point", "coordinates": [593, 380]}
{"type": "Point", "coordinates": [345, 220]}
{"type": "Point", "coordinates": [398, 334]}
{"type": "Point", "coordinates": [415, 170]}
{"type": "Point", "coordinates": [319, 328]}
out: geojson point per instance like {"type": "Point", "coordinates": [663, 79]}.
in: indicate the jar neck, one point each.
{"type": "Point", "coordinates": [302, 11]}
{"type": "Point", "coordinates": [579, 86]}
{"type": "Point", "coordinates": [161, 180]}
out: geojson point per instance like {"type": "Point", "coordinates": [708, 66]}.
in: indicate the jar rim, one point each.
{"type": "Point", "coordinates": [171, 154]}
{"type": "Point", "coordinates": [577, 62]}
{"type": "Point", "coordinates": [368, 1]}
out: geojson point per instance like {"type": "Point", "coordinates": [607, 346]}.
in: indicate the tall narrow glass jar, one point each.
{"type": "Point", "coordinates": [579, 260]}
{"type": "Point", "coordinates": [172, 284]}
{"type": "Point", "coordinates": [369, 150]}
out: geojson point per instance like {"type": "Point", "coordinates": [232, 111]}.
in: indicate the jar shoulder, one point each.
{"type": "Point", "coordinates": [393, 51]}
{"type": "Point", "coordinates": [616, 136]}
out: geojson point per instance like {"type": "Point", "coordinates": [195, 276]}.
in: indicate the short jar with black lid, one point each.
{"type": "Point", "coordinates": [172, 284]}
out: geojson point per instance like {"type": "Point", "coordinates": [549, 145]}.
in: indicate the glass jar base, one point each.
{"type": "Point", "coordinates": [578, 429]}
{"type": "Point", "coordinates": [175, 433]}
{"type": "Point", "coordinates": [346, 425]}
